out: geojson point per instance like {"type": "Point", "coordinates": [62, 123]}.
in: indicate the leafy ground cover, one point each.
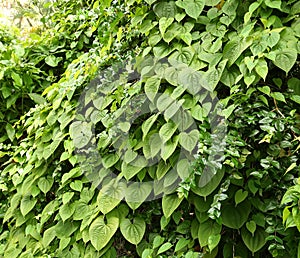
{"type": "Point", "coordinates": [188, 148]}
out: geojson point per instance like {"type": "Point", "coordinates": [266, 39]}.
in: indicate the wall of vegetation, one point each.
{"type": "Point", "coordinates": [248, 53]}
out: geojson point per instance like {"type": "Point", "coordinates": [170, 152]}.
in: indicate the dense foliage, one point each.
{"type": "Point", "coordinates": [207, 89]}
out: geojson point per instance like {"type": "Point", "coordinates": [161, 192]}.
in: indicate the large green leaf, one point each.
{"type": "Point", "coordinates": [133, 232]}
{"type": "Point", "coordinates": [285, 59]}
{"type": "Point", "coordinates": [167, 131]}
{"type": "Point", "coordinates": [101, 232]}
{"type": "Point", "coordinates": [235, 216]}
{"type": "Point", "coordinates": [189, 140]}
{"type": "Point", "coordinates": [206, 230]}
{"type": "Point", "coordinates": [170, 203]}
{"type": "Point", "coordinates": [165, 9]}
{"type": "Point", "coordinates": [111, 195]}
{"type": "Point", "coordinates": [27, 204]}
{"type": "Point", "coordinates": [151, 87]}
{"type": "Point", "coordinates": [193, 8]}
{"type": "Point", "coordinates": [254, 242]}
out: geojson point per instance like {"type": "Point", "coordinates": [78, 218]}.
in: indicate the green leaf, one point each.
{"type": "Point", "coordinates": [48, 236]}
{"type": "Point", "coordinates": [265, 89]}
{"type": "Point", "coordinates": [169, 148]}
{"type": "Point", "coordinates": [27, 204]}
{"type": "Point", "coordinates": [213, 241]}
{"type": "Point", "coordinates": [262, 68]}
{"type": "Point", "coordinates": [208, 182]}
{"type": "Point", "coordinates": [278, 96]}
{"type": "Point", "coordinates": [285, 59]}
{"type": "Point", "coordinates": [100, 232]}
{"type": "Point", "coordinates": [110, 159]}
{"type": "Point", "coordinates": [296, 98]}
{"type": "Point", "coordinates": [235, 216]}
{"type": "Point", "coordinates": [273, 3]}
{"type": "Point", "coordinates": [291, 167]}
{"type": "Point", "coordinates": [165, 247]}
{"type": "Point", "coordinates": [193, 8]}
{"type": "Point", "coordinates": [37, 98]}
{"type": "Point", "coordinates": [214, 74]}
{"type": "Point", "coordinates": [76, 185]}
{"type": "Point", "coordinates": [10, 131]}
{"type": "Point", "coordinates": [110, 195]}
{"type": "Point", "coordinates": [133, 232]}
{"type": "Point", "coordinates": [182, 243]}
{"type": "Point", "coordinates": [170, 203]}
{"type": "Point", "coordinates": [45, 184]}
{"type": "Point", "coordinates": [207, 229]}
{"type": "Point", "coordinates": [146, 126]}
{"type": "Point", "coordinates": [164, 23]}
{"type": "Point", "coordinates": [151, 87]}
{"type": "Point", "coordinates": [189, 140]}
{"type": "Point", "coordinates": [165, 9]}
{"type": "Point", "coordinates": [66, 211]}
{"type": "Point", "coordinates": [254, 242]}
{"type": "Point", "coordinates": [52, 60]}
{"type": "Point", "coordinates": [251, 226]}
{"type": "Point", "coordinates": [17, 79]}
{"type": "Point", "coordinates": [240, 196]}
{"type": "Point", "coordinates": [167, 131]}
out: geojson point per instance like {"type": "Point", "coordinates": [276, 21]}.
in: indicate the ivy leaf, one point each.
{"type": "Point", "coordinates": [285, 59]}
{"type": "Point", "coordinates": [251, 226]}
{"type": "Point", "coordinates": [169, 148]}
{"type": "Point", "coordinates": [133, 232]}
{"type": "Point", "coordinates": [193, 8]}
{"type": "Point", "coordinates": [100, 232]}
{"type": "Point", "coordinates": [213, 241]}
{"type": "Point", "coordinates": [236, 217]}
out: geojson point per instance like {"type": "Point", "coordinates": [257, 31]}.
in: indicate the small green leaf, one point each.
{"type": "Point", "coordinates": [251, 226]}
{"type": "Point", "coordinates": [45, 184]}
{"type": "Point", "coordinates": [52, 60]}
{"type": "Point", "coordinates": [291, 167]}
{"type": "Point", "coordinates": [27, 204]}
{"type": "Point", "coordinates": [265, 89]}
{"type": "Point", "coordinates": [240, 196]}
